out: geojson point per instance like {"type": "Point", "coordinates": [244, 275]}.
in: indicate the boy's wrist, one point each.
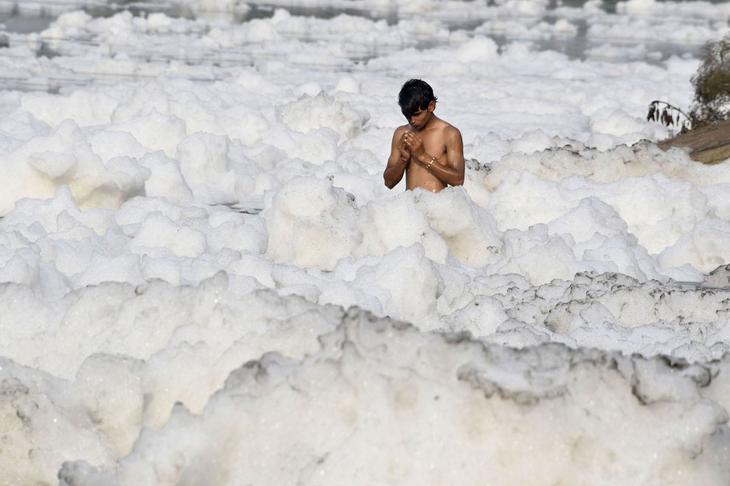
{"type": "Point", "coordinates": [427, 160]}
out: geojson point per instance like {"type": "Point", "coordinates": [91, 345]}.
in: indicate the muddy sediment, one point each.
{"type": "Point", "coordinates": [709, 144]}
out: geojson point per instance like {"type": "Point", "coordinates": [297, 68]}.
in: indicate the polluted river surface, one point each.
{"type": "Point", "coordinates": [204, 280]}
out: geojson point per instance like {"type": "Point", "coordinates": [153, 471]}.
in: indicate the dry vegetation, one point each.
{"type": "Point", "coordinates": [712, 85]}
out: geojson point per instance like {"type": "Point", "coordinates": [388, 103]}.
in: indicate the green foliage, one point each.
{"type": "Point", "coordinates": [712, 85]}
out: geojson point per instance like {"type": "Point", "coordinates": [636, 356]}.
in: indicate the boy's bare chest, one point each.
{"type": "Point", "coordinates": [433, 142]}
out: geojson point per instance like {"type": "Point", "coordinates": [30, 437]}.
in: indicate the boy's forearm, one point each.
{"type": "Point", "coordinates": [393, 174]}
{"type": "Point", "coordinates": [444, 173]}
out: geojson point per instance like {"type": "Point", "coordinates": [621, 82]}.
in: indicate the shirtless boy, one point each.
{"type": "Point", "coordinates": [428, 149]}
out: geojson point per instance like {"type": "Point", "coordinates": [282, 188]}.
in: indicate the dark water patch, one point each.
{"type": "Point", "coordinates": [390, 14]}
{"type": "Point", "coordinates": [20, 24]}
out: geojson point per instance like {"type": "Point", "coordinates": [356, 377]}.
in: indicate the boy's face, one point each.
{"type": "Point", "coordinates": [419, 119]}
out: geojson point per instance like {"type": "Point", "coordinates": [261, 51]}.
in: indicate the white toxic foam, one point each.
{"type": "Point", "coordinates": [196, 242]}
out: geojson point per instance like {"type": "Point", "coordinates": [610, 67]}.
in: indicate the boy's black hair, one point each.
{"type": "Point", "coordinates": [415, 95]}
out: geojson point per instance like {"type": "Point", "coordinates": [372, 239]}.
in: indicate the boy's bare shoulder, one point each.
{"type": "Point", "coordinates": [448, 127]}
{"type": "Point", "coordinates": [449, 130]}
{"type": "Point", "coordinates": [398, 132]}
